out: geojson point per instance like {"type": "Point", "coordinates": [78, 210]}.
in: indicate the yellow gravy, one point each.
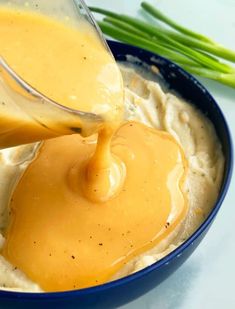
{"type": "Point", "coordinates": [86, 206]}
{"type": "Point", "coordinates": [67, 64]}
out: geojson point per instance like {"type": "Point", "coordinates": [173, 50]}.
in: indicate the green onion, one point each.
{"type": "Point", "coordinates": [153, 31]}
{"type": "Point", "coordinates": [159, 15]}
{"type": "Point", "coordinates": [184, 58]}
{"type": "Point", "coordinates": [156, 46]}
{"type": "Point", "coordinates": [226, 79]}
{"type": "Point", "coordinates": [195, 53]}
{"type": "Point", "coordinates": [130, 38]}
{"type": "Point", "coordinates": [117, 33]}
{"type": "Point", "coordinates": [192, 39]}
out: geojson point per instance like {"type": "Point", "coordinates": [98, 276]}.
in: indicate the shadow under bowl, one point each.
{"type": "Point", "coordinates": [118, 292]}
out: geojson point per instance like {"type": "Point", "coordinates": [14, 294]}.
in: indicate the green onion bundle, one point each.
{"type": "Point", "coordinates": [194, 52]}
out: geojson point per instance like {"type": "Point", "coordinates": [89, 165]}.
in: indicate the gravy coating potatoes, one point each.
{"type": "Point", "coordinates": [78, 212]}
{"type": "Point", "coordinates": [145, 103]}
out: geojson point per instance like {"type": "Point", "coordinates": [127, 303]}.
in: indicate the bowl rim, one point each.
{"type": "Point", "coordinates": [177, 251]}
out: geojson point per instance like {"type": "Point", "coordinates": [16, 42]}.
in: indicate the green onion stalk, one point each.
{"type": "Point", "coordinates": [194, 52]}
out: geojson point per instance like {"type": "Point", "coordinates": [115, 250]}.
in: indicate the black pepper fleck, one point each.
{"type": "Point", "coordinates": [167, 224]}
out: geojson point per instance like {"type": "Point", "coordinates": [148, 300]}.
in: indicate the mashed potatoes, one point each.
{"type": "Point", "coordinates": [145, 102]}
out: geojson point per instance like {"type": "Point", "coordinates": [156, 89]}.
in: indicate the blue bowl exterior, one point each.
{"type": "Point", "coordinates": [116, 293]}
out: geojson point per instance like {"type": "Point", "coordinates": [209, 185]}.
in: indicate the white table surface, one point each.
{"type": "Point", "coordinates": [206, 280]}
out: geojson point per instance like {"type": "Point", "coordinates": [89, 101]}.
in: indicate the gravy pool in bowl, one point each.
{"type": "Point", "coordinates": [145, 102]}
{"type": "Point", "coordinates": [47, 242]}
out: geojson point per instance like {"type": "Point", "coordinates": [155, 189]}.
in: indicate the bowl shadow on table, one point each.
{"type": "Point", "coordinates": [172, 292]}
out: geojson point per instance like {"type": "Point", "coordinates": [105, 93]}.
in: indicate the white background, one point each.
{"type": "Point", "coordinates": [207, 279]}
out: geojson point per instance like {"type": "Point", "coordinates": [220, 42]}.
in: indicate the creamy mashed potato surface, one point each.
{"type": "Point", "coordinates": [145, 102]}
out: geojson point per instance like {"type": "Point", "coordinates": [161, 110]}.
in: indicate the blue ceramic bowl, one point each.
{"type": "Point", "coordinates": [116, 293]}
